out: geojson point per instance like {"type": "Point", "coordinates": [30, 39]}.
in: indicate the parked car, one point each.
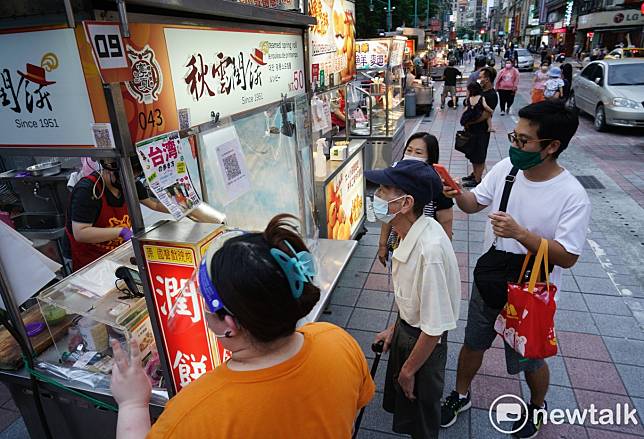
{"type": "Point", "coordinates": [625, 52]}
{"type": "Point", "coordinates": [612, 91]}
{"type": "Point", "coordinates": [525, 60]}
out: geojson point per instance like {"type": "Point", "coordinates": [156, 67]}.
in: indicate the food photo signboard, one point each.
{"type": "Point", "coordinates": [231, 71]}
{"type": "Point", "coordinates": [44, 95]}
{"type": "Point", "coordinates": [345, 200]}
{"type": "Point", "coordinates": [372, 54]}
{"type": "Point", "coordinates": [332, 42]}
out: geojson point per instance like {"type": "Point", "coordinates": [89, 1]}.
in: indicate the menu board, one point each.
{"type": "Point", "coordinates": [345, 200]}
{"type": "Point", "coordinates": [332, 42]}
{"type": "Point", "coordinates": [230, 71]}
{"type": "Point", "coordinates": [44, 98]}
{"type": "Point", "coordinates": [397, 51]}
{"type": "Point", "coordinates": [372, 54]}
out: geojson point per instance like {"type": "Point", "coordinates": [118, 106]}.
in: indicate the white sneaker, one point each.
{"type": "Point", "coordinates": [502, 113]}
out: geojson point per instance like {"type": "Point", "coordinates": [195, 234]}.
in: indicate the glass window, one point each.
{"type": "Point", "coordinates": [589, 72]}
{"type": "Point", "coordinates": [626, 74]}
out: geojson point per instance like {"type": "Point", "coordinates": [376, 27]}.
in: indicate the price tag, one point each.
{"type": "Point", "coordinates": [109, 50]}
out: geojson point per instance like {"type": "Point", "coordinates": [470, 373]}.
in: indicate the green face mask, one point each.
{"type": "Point", "coordinates": [524, 159]}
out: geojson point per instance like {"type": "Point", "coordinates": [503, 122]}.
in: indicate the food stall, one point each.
{"type": "Point", "coordinates": [223, 82]}
{"type": "Point", "coordinates": [339, 186]}
{"type": "Point", "coordinates": [374, 103]}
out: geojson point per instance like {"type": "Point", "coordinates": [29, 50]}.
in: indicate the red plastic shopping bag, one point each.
{"type": "Point", "coordinates": [527, 322]}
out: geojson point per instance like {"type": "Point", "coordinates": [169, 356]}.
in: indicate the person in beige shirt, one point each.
{"type": "Point", "coordinates": [427, 289]}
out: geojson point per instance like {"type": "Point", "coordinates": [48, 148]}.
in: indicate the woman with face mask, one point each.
{"type": "Point", "coordinates": [280, 381]}
{"type": "Point", "coordinates": [539, 83]}
{"type": "Point", "coordinates": [507, 84]}
{"type": "Point", "coordinates": [422, 147]}
{"type": "Point", "coordinates": [98, 220]}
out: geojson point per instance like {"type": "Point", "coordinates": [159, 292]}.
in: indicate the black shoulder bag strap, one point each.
{"type": "Point", "coordinates": [509, 181]}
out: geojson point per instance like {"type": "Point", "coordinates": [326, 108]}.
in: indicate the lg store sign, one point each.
{"type": "Point", "coordinates": [630, 17]}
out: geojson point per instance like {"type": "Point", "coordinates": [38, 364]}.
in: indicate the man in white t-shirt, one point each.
{"type": "Point", "coordinates": [427, 292]}
{"type": "Point", "coordinates": [546, 201]}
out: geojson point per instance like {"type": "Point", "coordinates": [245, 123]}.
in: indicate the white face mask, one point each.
{"type": "Point", "coordinates": [413, 157]}
{"type": "Point", "coordinates": [381, 209]}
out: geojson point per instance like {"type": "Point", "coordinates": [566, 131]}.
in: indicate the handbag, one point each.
{"type": "Point", "coordinates": [462, 141]}
{"type": "Point", "coordinates": [527, 321]}
{"type": "Point", "coordinates": [495, 268]}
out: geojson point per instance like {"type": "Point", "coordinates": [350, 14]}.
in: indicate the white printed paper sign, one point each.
{"type": "Point", "coordinates": [228, 71]}
{"type": "Point", "coordinates": [233, 166]}
{"type": "Point", "coordinates": [163, 161]}
{"type": "Point", "coordinates": [43, 96]}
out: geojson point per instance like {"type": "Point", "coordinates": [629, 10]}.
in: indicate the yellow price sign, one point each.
{"type": "Point", "coordinates": [169, 255]}
{"type": "Point", "coordinates": [181, 167]}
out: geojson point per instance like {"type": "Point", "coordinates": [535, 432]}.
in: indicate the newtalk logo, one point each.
{"type": "Point", "coordinates": [507, 409]}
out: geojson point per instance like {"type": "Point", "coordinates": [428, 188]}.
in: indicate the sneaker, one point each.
{"type": "Point", "coordinates": [532, 426]}
{"type": "Point", "coordinates": [442, 107]}
{"type": "Point", "coordinates": [452, 406]}
{"type": "Point", "coordinates": [468, 178]}
{"type": "Point", "coordinates": [470, 183]}
{"type": "Point", "coordinates": [502, 113]}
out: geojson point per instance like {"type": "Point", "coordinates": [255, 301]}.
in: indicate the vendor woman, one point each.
{"type": "Point", "coordinates": [97, 218]}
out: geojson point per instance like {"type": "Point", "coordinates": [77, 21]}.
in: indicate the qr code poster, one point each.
{"type": "Point", "coordinates": [233, 169]}
{"type": "Point", "coordinates": [102, 135]}
{"type": "Point", "coordinates": [163, 161]}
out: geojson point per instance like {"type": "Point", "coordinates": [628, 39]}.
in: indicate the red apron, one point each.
{"type": "Point", "coordinates": [83, 253]}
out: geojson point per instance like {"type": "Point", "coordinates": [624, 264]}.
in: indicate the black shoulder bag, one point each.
{"type": "Point", "coordinates": [495, 268]}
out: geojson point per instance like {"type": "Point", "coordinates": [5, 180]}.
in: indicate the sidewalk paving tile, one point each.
{"type": "Point", "coordinates": [494, 364]}
{"type": "Point", "coordinates": [485, 389]}
{"type": "Point", "coordinates": [365, 433]}
{"type": "Point", "coordinates": [558, 373]}
{"type": "Point", "coordinates": [7, 417]}
{"type": "Point", "coordinates": [558, 397]}
{"type": "Point", "coordinates": [360, 264]}
{"type": "Point", "coordinates": [563, 431]}
{"type": "Point", "coordinates": [365, 340]}
{"type": "Point", "coordinates": [368, 319]}
{"type": "Point", "coordinates": [377, 267]}
{"type": "Point", "coordinates": [595, 433]}
{"type": "Point", "coordinates": [607, 305]}
{"type": "Point", "coordinates": [380, 282]}
{"type": "Point", "coordinates": [607, 401]}
{"type": "Point", "coordinates": [594, 375]}
{"type": "Point", "coordinates": [366, 251]}
{"type": "Point", "coordinates": [345, 296]}
{"type": "Point", "coordinates": [569, 284]}
{"type": "Point", "coordinates": [17, 430]}
{"type": "Point", "coordinates": [353, 279]}
{"type": "Point", "coordinates": [595, 285]}
{"type": "Point", "coordinates": [571, 301]}
{"type": "Point", "coordinates": [375, 418]}
{"type": "Point", "coordinates": [459, 430]}
{"type": "Point", "coordinates": [632, 378]}
{"type": "Point", "coordinates": [575, 321]}
{"type": "Point", "coordinates": [481, 427]}
{"type": "Point", "coordinates": [339, 315]}
{"type": "Point", "coordinates": [625, 351]}
{"type": "Point", "coordinates": [589, 270]}
{"type": "Point", "coordinates": [373, 299]}
{"type": "Point", "coordinates": [618, 326]}
{"type": "Point", "coordinates": [579, 345]}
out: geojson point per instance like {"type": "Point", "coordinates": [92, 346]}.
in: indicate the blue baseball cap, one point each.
{"type": "Point", "coordinates": [413, 177]}
{"type": "Point", "coordinates": [554, 72]}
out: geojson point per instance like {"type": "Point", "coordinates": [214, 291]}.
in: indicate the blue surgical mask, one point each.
{"type": "Point", "coordinates": [381, 209]}
{"type": "Point", "coordinates": [413, 157]}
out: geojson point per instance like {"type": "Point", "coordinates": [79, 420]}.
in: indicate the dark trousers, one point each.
{"type": "Point", "coordinates": [419, 418]}
{"type": "Point", "coordinates": [506, 99]}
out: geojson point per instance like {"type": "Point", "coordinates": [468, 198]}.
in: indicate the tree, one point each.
{"type": "Point", "coordinates": [368, 23]}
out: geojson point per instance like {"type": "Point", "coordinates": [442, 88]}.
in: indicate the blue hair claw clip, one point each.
{"type": "Point", "coordinates": [298, 269]}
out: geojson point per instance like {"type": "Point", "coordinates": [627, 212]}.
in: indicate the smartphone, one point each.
{"type": "Point", "coordinates": [444, 174]}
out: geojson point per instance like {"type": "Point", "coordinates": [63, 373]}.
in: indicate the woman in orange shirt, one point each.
{"type": "Point", "coordinates": [280, 382]}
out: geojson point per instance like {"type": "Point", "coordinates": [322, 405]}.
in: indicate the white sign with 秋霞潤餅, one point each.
{"type": "Point", "coordinates": [231, 71]}
{"type": "Point", "coordinates": [43, 95]}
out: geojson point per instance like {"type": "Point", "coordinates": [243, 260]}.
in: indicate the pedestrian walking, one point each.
{"type": "Point", "coordinates": [566, 75]}
{"type": "Point", "coordinates": [539, 82]}
{"type": "Point", "coordinates": [553, 87]}
{"type": "Point", "coordinates": [449, 84]}
{"type": "Point", "coordinates": [427, 293]}
{"type": "Point", "coordinates": [423, 147]}
{"type": "Point", "coordinates": [507, 84]}
{"type": "Point", "coordinates": [543, 52]}
{"type": "Point", "coordinates": [256, 287]}
{"type": "Point", "coordinates": [480, 136]}
{"type": "Point", "coordinates": [544, 200]}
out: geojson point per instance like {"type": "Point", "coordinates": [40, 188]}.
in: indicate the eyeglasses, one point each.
{"type": "Point", "coordinates": [521, 142]}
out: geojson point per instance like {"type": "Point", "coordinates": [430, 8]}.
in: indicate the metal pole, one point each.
{"type": "Point", "coordinates": [389, 16]}
{"type": "Point", "coordinates": [427, 18]}
{"type": "Point", "coordinates": [415, 13]}
{"type": "Point", "coordinates": [69, 12]}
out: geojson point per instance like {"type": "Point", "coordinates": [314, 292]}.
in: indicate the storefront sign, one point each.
{"type": "Point", "coordinates": [165, 169]}
{"type": "Point", "coordinates": [629, 17]}
{"type": "Point", "coordinates": [410, 47]}
{"type": "Point", "coordinates": [535, 31]}
{"type": "Point", "coordinates": [345, 200]}
{"type": "Point", "coordinates": [108, 50]}
{"type": "Point", "coordinates": [561, 30]}
{"type": "Point", "coordinates": [568, 17]}
{"type": "Point", "coordinates": [332, 42]}
{"type": "Point", "coordinates": [230, 71]}
{"type": "Point", "coordinates": [190, 348]}
{"type": "Point", "coordinates": [285, 5]}
{"type": "Point", "coordinates": [397, 52]}
{"type": "Point", "coordinates": [372, 54]}
{"type": "Point", "coordinates": [44, 99]}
